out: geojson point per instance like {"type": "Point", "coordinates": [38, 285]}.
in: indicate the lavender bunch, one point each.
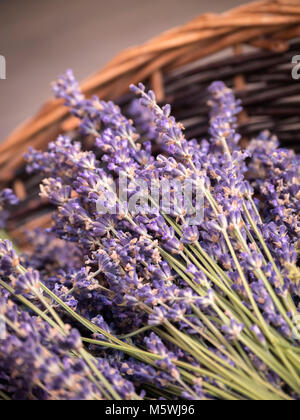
{"type": "Point", "coordinates": [42, 357]}
{"type": "Point", "coordinates": [183, 299]}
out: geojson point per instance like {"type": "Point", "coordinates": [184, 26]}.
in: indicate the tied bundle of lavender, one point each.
{"type": "Point", "coordinates": [163, 277]}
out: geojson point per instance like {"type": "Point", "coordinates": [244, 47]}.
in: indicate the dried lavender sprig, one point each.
{"type": "Point", "coordinates": [213, 203]}
{"type": "Point", "coordinates": [57, 324]}
{"type": "Point", "coordinates": [125, 349]}
{"type": "Point", "coordinates": [24, 334]}
{"type": "Point", "coordinates": [220, 92]}
{"type": "Point", "coordinates": [149, 100]}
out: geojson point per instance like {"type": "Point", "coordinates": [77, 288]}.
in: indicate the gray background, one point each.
{"type": "Point", "coordinates": [42, 38]}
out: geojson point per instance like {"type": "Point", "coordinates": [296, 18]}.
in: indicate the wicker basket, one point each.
{"type": "Point", "coordinates": [250, 48]}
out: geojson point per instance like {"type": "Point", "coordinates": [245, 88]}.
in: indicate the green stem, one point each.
{"type": "Point", "coordinates": [4, 396]}
{"type": "Point", "coordinates": [134, 333]}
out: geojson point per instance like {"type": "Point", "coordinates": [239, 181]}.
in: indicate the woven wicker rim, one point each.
{"type": "Point", "coordinates": [269, 26]}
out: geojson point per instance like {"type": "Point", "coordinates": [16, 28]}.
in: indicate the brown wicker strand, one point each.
{"type": "Point", "coordinates": [250, 48]}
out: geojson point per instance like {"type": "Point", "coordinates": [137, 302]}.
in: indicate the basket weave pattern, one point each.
{"type": "Point", "coordinates": [250, 48]}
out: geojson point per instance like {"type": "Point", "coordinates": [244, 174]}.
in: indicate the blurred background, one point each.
{"type": "Point", "coordinates": [42, 38]}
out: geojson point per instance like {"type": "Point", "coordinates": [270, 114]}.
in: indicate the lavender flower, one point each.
{"type": "Point", "coordinates": [218, 294]}
{"type": "Point", "coordinates": [233, 331]}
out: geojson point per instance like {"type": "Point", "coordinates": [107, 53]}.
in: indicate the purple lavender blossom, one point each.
{"type": "Point", "coordinates": [215, 293]}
